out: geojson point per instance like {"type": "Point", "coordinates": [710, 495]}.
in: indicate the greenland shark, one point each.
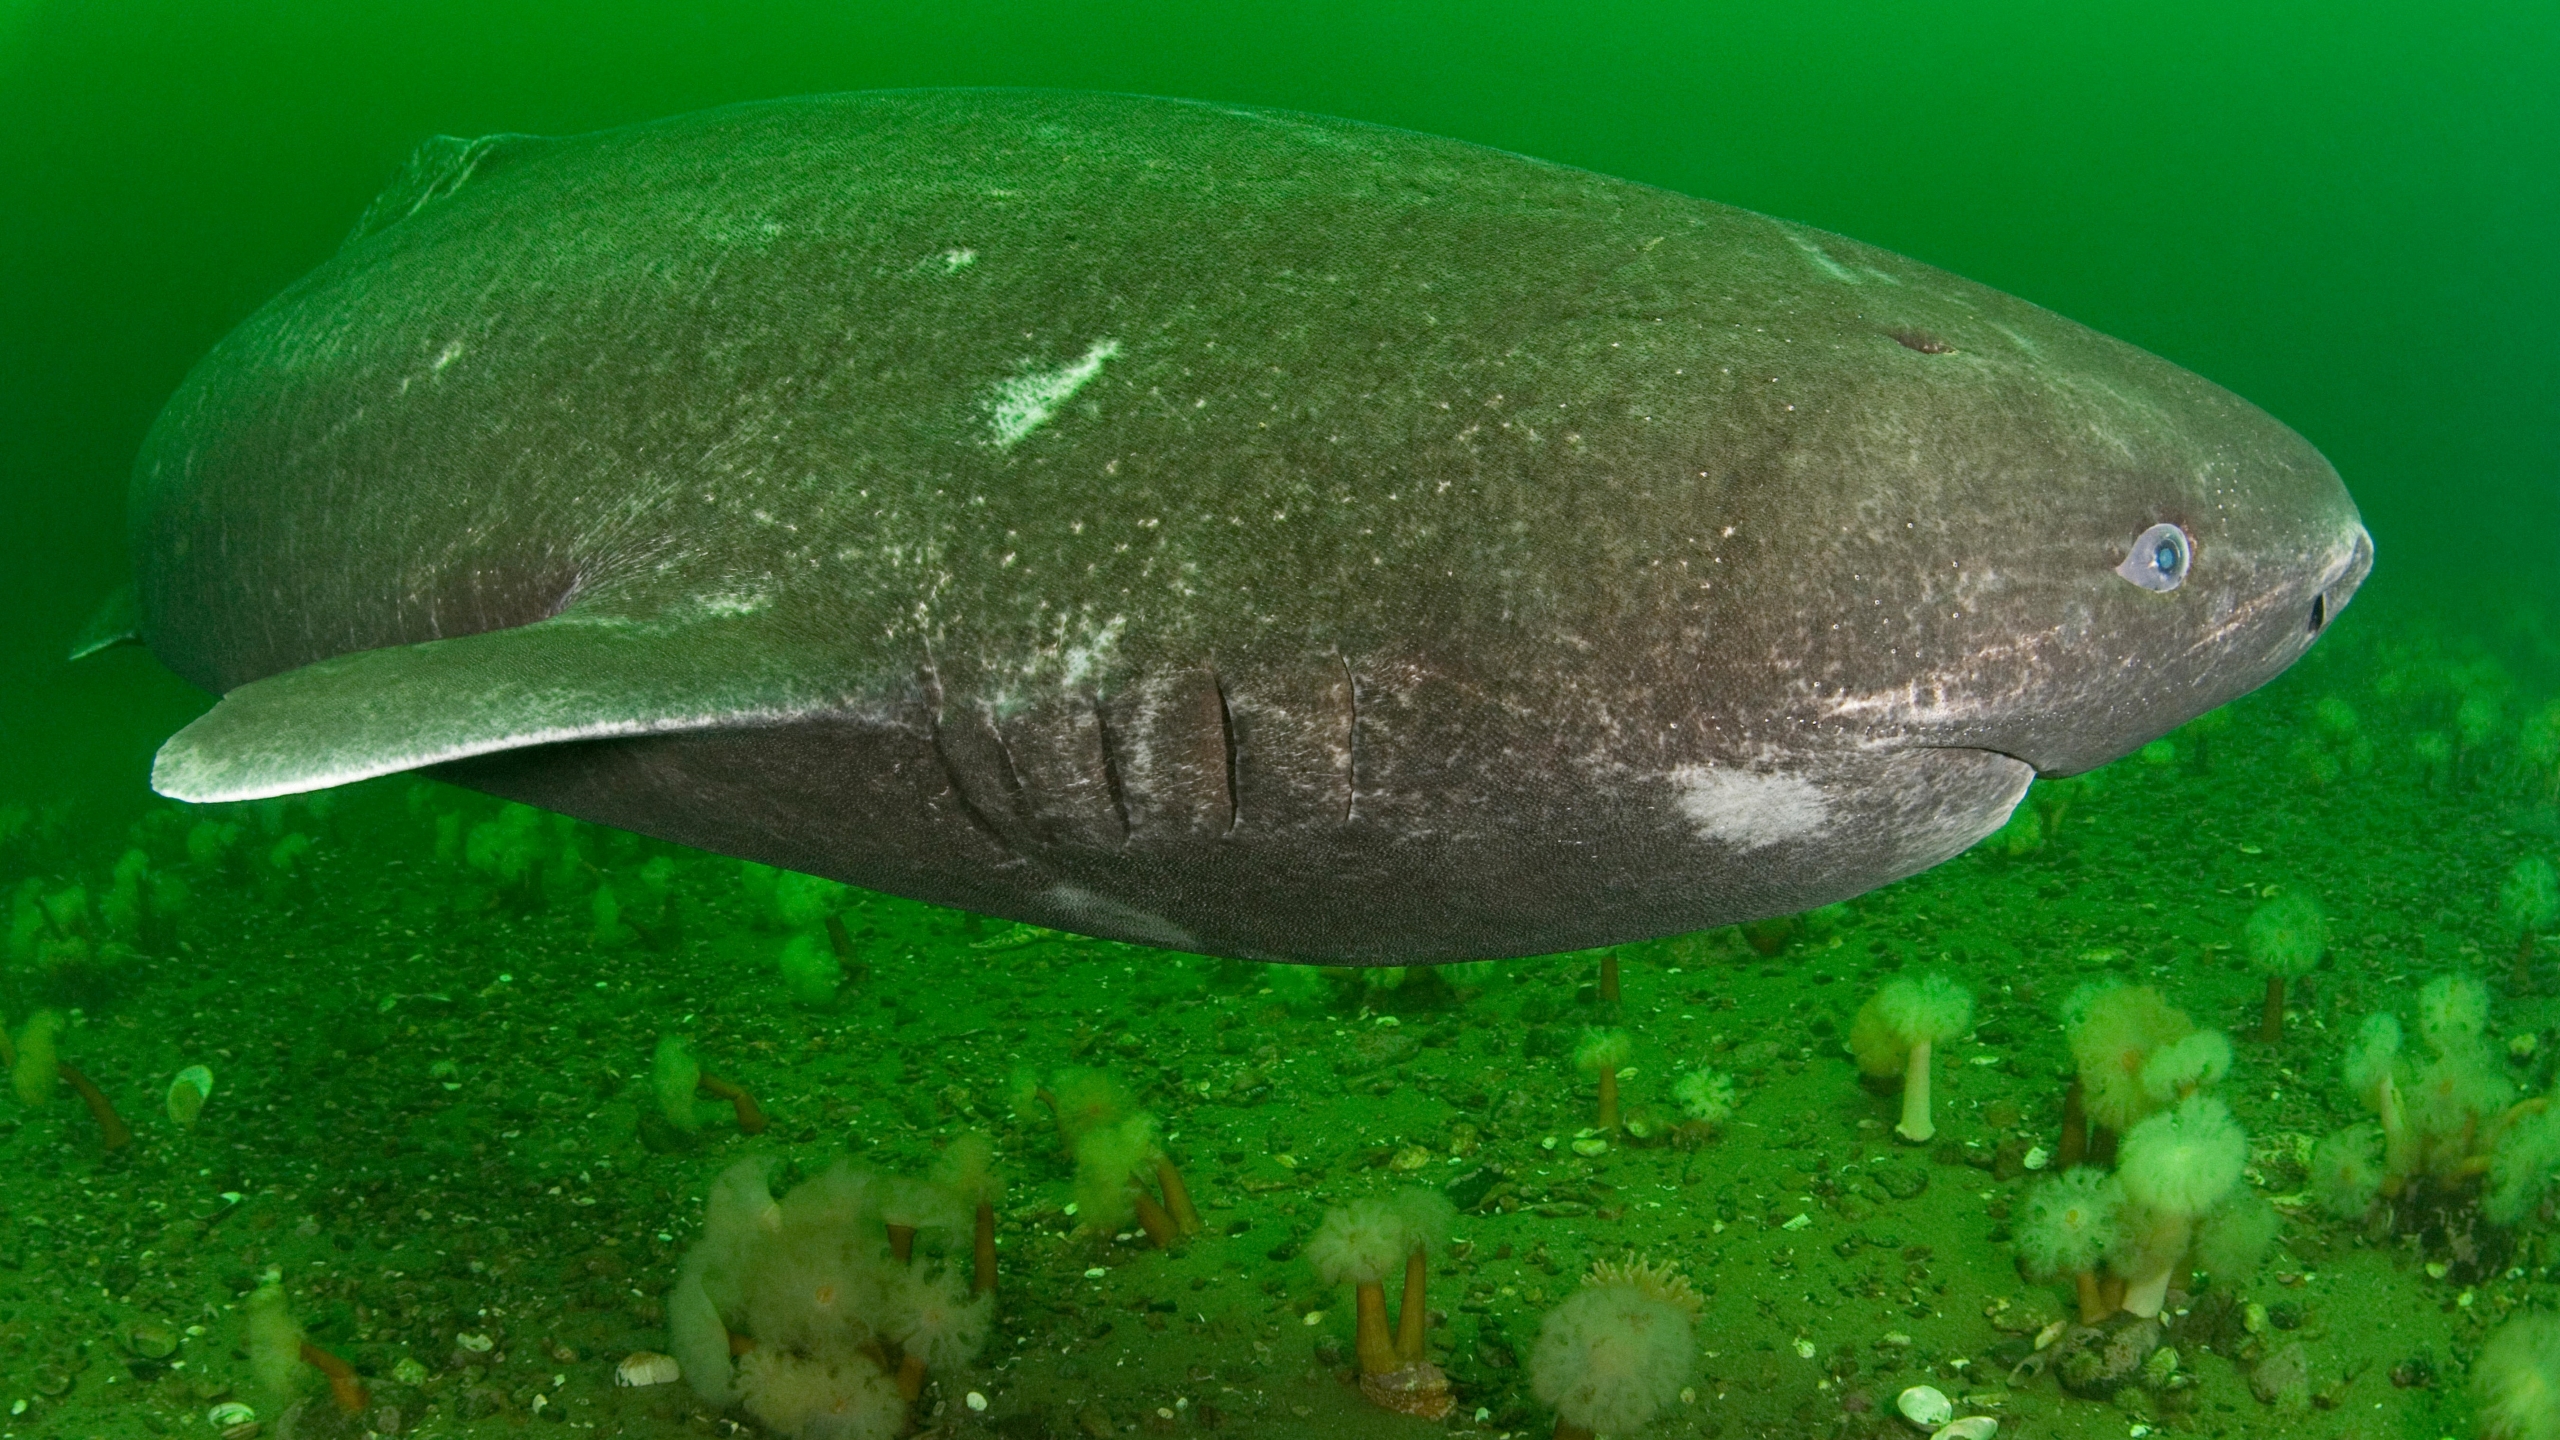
{"type": "Point", "coordinates": [1213, 528]}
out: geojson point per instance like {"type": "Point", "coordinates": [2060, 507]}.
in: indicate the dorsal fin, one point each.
{"type": "Point", "coordinates": [118, 621]}
{"type": "Point", "coordinates": [441, 165]}
{"type": "Point", "coordinates": [378, 712]}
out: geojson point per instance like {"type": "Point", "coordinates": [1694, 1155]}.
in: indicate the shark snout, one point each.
{"type": "Point", "coordinates": [2339, 585]}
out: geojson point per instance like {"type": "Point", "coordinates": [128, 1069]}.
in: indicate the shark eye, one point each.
{"type": "Point", "coordinates": [2160, 558]}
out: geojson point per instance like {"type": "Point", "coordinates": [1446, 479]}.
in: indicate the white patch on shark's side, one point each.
{"type": "Point", "coordinates": [1081, 660]}
{"type": "Point", "coordinates": [1018, 406]}
{"type": "Point", "coordinates": [1749, 809]}
{"type": "Point", "coordinates": [1088, 913]}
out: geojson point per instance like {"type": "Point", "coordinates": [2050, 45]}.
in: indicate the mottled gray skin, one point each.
{"type": "Point", "coordinates": [1441, 553]}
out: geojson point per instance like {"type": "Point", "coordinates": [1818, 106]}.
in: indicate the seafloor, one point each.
{"type": "Point", "coordinates": [430, 1111]}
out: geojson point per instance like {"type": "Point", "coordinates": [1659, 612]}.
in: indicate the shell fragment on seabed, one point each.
{"type": "Point", "coordinates": [647, 1367]}
{"type": "Point", "coordinates": [1925, 1406]}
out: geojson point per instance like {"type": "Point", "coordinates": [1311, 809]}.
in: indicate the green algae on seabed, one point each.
{"type": "Point", "coordinates": [436, 1116]}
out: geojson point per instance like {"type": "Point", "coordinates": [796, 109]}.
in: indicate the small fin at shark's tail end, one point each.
{"type": "Point", "coordinates": [117, 622]}
{"type": "Point", "coordinates": [403, 707]}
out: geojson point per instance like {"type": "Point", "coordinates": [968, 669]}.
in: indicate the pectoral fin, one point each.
{"type": "Point", "coordinates": [118, 622]}
{"type": "Point", "coordinates": [378, 712]}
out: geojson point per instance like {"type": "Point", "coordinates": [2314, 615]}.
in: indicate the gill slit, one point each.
{"type": "Point", "coordinates": [1227, 736]}
{"type": "Point", "coordinates": [1110, 766]}
{"type": "Point", "coordinates": [1350, 741]}
{"type": "Point", "coordinates": [951, 770]}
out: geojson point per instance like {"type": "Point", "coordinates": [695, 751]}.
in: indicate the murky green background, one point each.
{"type": "Point", "coordinates": [2345, 212]}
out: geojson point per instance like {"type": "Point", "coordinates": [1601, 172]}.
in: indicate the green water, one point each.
{"type": "Point", "coordinates": [431, 1109]}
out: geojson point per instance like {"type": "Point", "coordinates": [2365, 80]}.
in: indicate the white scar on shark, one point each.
{"type": "Point", "coordinates": [1018, 406]}
{"type": "Point", "coordinates": [1749, 810]}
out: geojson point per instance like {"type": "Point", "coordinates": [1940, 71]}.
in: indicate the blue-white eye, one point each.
{"type": "Point", "coordinates": [2160, 559]}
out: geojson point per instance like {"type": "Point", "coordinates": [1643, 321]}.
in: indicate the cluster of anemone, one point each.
{"type": "Point", "coordinates": [72, 931]}
{"type": "Point", "coordinates": [1615, 1354]}
{"type": "Point", "coordinates": [1897, 1031]}
{"type": "Point", "coordinates": [822, 1312]}
{"type": "Point", "coordinates": [51, 930]}
{"type": "Point", "coordinates": [139, 895]}
{"type": "Point", "coordinates": [1362, 1244]}
{"type": "Point", "coordinates": [509, 849]}
{"type": "Point", "coordinates": [2528, 904]}
{"type": "Point", "coordinates": [2173, 1203]}
{"type": "Point", "coordinates": [2286, 937]}
{"type": "Point", "coordinates": [283, 1358]}
{"type": "Point", "coordinates": [1705, 1096]}
{"type": "Point", "coordinates": [2135, 1054]}
{"type": "Point", "coordinates": [34, 1062]}
{"type": "Point", "coordinates": [526, 857]}
{"type": "Point", "coordinates": [2516, 1380]}
{"type": "Point", "coordinates": [635, 908]}
{"type": "Point", "coordinates": [676, 1077]}
{"type": "Point", "coordinates": [2447, 1127]}
{"type": "Point", "coordinates": [1601, 1054]}
{"type": "Point", "coordinates": [2173, 1200]}
{"type": "Point", "coordinates": [1121, 1167]}
{"type": "Point", "coordinates": [2336, 743]}
{"type": "Point", "coordinates": [817, 956]}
